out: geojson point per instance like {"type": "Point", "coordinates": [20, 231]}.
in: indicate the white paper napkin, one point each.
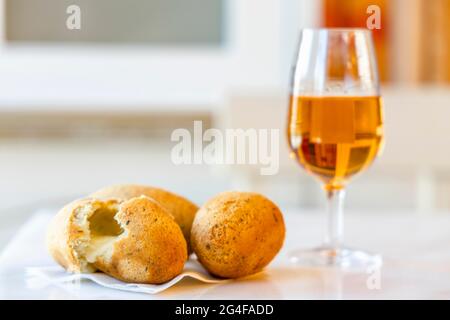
{"type": "Point", "coordinates": [57, 275]}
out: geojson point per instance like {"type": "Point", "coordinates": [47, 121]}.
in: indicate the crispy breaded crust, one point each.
{"type": "Point", "coordinates": [181, 208]}
{"type": "Point", "coordinates": [236, 234]}
{"type": "Point", "coordinates": [154, 250]}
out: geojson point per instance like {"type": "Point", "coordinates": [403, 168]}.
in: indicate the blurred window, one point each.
{"type": "Point", "coordinates": [153, 22]}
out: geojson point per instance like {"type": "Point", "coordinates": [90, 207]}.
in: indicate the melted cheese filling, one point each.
{"type": "Point", "coordinates": [99, 246]}
{"type": "Point", "coordinates": [104, 231]}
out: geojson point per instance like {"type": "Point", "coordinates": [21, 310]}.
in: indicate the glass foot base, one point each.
{"type": "Point", "coordinates": [345, 258]}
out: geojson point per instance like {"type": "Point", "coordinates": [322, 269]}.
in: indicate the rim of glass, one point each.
{"type": "Point", "coordinates": [340, 29]}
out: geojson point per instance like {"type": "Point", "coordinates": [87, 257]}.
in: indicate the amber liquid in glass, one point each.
{"type": "Point", "coordinates": [335, 137]}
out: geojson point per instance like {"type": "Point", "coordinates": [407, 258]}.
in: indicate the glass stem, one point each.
{"type": "Point", "coordinates": [335, 202]}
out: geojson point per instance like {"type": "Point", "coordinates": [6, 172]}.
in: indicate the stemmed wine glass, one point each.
{"type": "Point", "coordinates": [335, 127]}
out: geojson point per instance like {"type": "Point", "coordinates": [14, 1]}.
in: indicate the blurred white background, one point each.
{"type": "Point", "coordinates": [79, 111]}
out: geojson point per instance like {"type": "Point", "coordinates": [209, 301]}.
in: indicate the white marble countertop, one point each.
{"type": "Point", "coordinates": [416, 251]}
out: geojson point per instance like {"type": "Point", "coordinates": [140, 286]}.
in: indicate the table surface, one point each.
{"type": "Point", "coordinates": [416, 254]}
